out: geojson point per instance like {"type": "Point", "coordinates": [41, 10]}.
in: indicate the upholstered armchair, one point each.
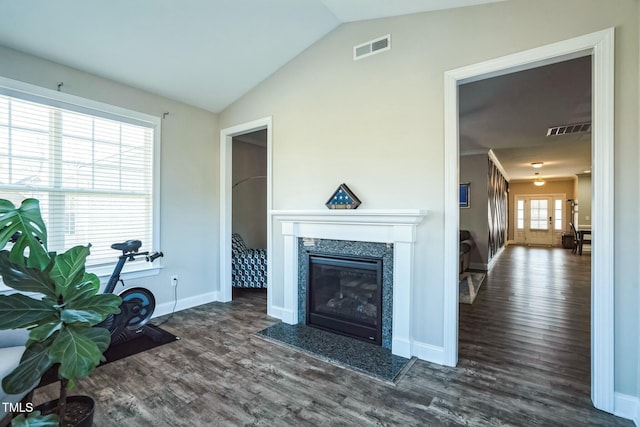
{"type": "Point", "coordinates": [248, 266]}
{"type": "Point", "coordinates": [12, 345]}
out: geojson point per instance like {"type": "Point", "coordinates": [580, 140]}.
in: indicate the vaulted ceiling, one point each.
{"type": "Point", "coordinates": [208, 53]}
{"type": "Point", "coordinates": [205, 53]}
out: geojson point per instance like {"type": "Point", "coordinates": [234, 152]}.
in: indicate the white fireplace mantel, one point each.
{"type": "Point", "coordinates": [397, 226]}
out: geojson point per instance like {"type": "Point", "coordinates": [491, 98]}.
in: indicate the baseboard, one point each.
{"type": "Point", "coordinates": [478, 266]}
{"type": "Point", "coordinates": [495, 258]}
{"type": "Point", "coordinates": [428, 352]}
{"type": "Point", "coordinates": [486, 266]}
{"type": "Point", "coordinates": [184, 303]}
{"type": "Point", "coordinates": [401, 347]}
{"type": "Point", "coordinates": [626, 406]}
{"type": "Point", "coordinates": [282, 313]}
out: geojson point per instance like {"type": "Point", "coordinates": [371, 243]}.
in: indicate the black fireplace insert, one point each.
{"type": "Point", "coordinates": [344, 295]}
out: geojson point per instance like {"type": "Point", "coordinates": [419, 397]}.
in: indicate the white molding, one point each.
{"type": "Point", "coordinates": [428, 352]}
{"type": "Point", "coordinates": [600, 45]}
{"type": "Point", "coordinates": [226, 140]}
{"type": "Point", "coordinates": [283, 314]}
{"type": "Point", "coordinates": [628, 407]}
{"type": "Point", "coordinates": [352, 216]}
{"type": "Point", "coordinates": [382, 226]}
{"type": "Point", "coordinates": [185, 303]}
{"type": "Point", "coordinates": [496, 162]}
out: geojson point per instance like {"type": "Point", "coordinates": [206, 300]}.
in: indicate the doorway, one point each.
{"type": "Point", "coordinates": [226, 202]}
{"type": "Point", "coordinates": [600, 46]}
{"type": "Point", "coordinates": [539, 219]}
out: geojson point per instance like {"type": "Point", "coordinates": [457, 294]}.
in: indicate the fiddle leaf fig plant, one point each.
{"type": "Point", "coordinates": [57, 301]}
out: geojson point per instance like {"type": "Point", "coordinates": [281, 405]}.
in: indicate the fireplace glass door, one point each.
{"type": "Point", "coordinates": [344, 295]}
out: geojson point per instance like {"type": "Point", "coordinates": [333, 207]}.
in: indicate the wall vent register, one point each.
{"type": "Point", "coordinates": [567, 129]}
{"type": "Point", "coordinates": [372, 47]}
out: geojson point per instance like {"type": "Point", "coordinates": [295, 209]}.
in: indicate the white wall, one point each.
{"type": "Point", "coordinates": [188, 212]}
{"type": "Point", "coordinates": [377, 125]}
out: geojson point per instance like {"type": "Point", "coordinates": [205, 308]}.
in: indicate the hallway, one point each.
{"type": "Point", "coordinates": [529, 327]}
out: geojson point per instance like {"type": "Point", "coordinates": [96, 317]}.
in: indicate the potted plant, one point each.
{"type": "Point", "coordinates": [58, 302]}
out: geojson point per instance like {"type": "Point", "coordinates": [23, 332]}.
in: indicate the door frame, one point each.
{"type": "Point", "coordinates": [600, 46]}
{"type": "Point", "coordinates": [551, 197]}
{"type": "Point", "coordinates": [226, 162]}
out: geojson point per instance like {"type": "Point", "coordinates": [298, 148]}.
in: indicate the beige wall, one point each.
{"type": "Point", "coordinates": [249, 198]}
{"type": "Point", "coordinates": [550, 187]}
{"type": "Point", "coordinates": [188, 197]}
{"type": "Point", "coordinates": [584, 199]}
{"type": "Point", "coordinates": [377, 125]}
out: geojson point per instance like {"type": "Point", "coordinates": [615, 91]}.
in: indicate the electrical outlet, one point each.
{"type": "Point", "coordinates": [174, 280]}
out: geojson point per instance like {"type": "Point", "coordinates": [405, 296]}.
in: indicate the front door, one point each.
{"type": "Point", "coordinates": [539, 219]}
{"type": "Point", "coordinates": [539, 224]}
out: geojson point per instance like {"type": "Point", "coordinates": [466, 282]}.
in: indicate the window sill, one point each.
{"type": "Point", "coordinates": [133, 270]}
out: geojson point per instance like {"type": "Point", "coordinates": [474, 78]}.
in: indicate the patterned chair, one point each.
{"type": "Point", "coordinates": [248, 266]}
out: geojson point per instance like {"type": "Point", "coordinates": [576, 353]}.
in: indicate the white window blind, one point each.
{"type": "Point", "coordinates": [91, 170]}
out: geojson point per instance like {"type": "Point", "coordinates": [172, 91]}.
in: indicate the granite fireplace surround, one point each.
{"type": "Point", "coordinates": [388, 234]}
{"type": "Point", "coordinates": [382, 251]}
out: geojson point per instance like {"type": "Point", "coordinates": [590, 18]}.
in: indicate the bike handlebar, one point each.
{"type": "Point", "coordinates": [152, 257]}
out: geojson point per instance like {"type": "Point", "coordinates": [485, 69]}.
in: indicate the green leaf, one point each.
{"type": "Point", "coordinates": [102, 305]}
{"type": "Point", "coordinates": [44, 330]}
{"type": "Point", "coordinates": [21, 311]}
{"type": "Point", "coordinates": [100, 336]}
{"type": "Point", "coordinates": [35, 419]}
{"type": "Point", "coordinates": [80, 293]}
{"type": "Point", "coordinates": [76, 352]}
{"type": "Point", "coordinates": [22, 278]}
{"type": "Point", "coordinates": [33, 364]}
{"type": "Point", "coordinates": [68, 269]}
{"type": "Point", "coordinates": [86, 317]}
{"type": "Point", "coordinates": [33, 233]}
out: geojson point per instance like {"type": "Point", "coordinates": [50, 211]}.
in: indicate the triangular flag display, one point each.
{"type": "Point", "coordinates": [343, 198]}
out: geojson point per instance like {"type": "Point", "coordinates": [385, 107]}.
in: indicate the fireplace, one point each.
{"type": "Point", "coordinates": [344, 295]}
{"type": "Point", "coordinates": [386, 234]}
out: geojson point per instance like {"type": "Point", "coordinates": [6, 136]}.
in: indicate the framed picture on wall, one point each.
{"type": "Point", "coordinates": [464, 195]}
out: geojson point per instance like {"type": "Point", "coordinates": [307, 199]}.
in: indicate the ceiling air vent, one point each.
{"type": "Point", "coordinates": [372, 47]}
{"type": "Point", "coordinates": [567, 129]}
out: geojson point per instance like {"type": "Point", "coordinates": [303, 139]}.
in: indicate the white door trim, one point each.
{"type": "Point", "coordinates": [600, 45]}
{"type": "Point", "coordinates": [226, 139]}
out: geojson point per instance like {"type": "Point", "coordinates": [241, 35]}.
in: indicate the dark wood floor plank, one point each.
{"type": "Point", "coordinates": [524, 360]}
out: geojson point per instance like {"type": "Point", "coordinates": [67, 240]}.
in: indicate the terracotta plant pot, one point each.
{"type": "Point", "coordinates": [79, 413]}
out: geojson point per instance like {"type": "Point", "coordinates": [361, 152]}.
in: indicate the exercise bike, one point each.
{"type": "Point", "coordinates": [138, 304]}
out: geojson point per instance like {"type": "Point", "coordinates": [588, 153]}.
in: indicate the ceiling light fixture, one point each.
{"type": "Point", "coordinates": [538, 181]}
{"type": "Point", "coordinates": [537, 165]}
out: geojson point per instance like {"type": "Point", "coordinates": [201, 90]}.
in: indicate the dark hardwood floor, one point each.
{"type": "Point", "coordinates": [524, 361]}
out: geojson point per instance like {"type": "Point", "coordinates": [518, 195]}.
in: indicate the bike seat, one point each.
{"type": "Point", "coordinates": [128, 246]}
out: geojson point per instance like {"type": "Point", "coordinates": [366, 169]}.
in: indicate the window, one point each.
{"type": "Point", "coordinates": [557, 223]}
{"type": "Point", "coordinates": [90, 165]}
{"type": "Point", "coordinates": [520, 214]}
{"type": "Point", "coordinates": [538, 219]}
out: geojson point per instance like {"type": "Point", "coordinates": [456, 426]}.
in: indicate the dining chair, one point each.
{"type": "Point", "coordinates": [576, 239]}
